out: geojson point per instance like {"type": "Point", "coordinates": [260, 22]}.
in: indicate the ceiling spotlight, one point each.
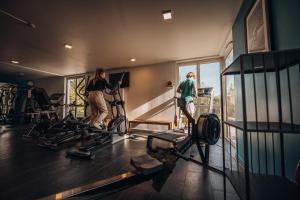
{"type": "Point", "coordinates": [68, 46]}
{"type": "Point", "coordinates": [132, 59]}
{"type": "Point", "coordinates": [167, 14]}
{"type": "Point", "coordinates": [15, 62]}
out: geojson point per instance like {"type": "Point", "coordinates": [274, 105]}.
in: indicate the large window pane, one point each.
{"type": "Point", "coordinates": [210, 77]}
{"type": "Point", "coordinates": [184, 69]}
{"type": "Point", "coordinates": [230, 98]}
{"type": "Point", "coordinates": [75, 93]}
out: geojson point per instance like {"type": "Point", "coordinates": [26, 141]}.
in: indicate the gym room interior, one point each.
{"type": "Point", "coordinates": [150, 99]}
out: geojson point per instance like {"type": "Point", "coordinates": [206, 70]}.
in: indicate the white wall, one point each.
{"type": "Point", "coordinates": [147, 98]}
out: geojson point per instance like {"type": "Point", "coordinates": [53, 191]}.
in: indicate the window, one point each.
{"type": "Point", "coordinates": [230, 98]}
{"type": "Point", "coordinates": [229, 58]}
{"type": "Point", "coordinates": [207, 75]}
{"type": "Point", "coordinates": [210, 77]}
{"type": "Point", "coordinates": [184, 69]}
{"type": "Point", "coordinates": [230, 108]}
{"type": "Point", "coordinates": [75, 95]}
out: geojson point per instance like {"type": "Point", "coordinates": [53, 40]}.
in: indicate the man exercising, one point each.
{"type": "Point", "coordinates": [188, 90]}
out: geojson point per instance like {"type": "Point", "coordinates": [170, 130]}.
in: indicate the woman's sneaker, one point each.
{"type": "Point", "coordinates": [97, 126]}
{"type": "Point", "coordinates": [100, 126]}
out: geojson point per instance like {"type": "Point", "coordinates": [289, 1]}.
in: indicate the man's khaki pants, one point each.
{"type": "Point", "coordinates": [98, 107]}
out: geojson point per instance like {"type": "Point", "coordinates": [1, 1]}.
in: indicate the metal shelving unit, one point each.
{"type": "Point", "coordinates": [255, 161]}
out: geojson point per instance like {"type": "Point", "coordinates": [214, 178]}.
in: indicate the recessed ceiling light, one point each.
{"type": "Point", "coordinates": [68, 46]}
{"type": "Point", "coordinates": [167, 14]}
{"type": "Point", "coordinates": [132, 59]}
{"type": "Point", "coordinates": [15, 62]}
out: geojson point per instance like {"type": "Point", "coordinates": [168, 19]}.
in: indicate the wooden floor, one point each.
{"type": "Point", "coordinates": [29, 172]}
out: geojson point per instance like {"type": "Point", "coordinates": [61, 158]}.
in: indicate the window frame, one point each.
{"type": "Point", "coordinates": [226, 133]}
{"type": "Point", "coordinates": [198, 63]}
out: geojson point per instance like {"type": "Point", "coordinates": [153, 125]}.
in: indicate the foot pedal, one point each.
{"type": "Point", "coordinates": [80, 154]}
{"type": "Point", "coordinates": [48, 145]}
{"type": "Point", "coordinates": [145, 164]}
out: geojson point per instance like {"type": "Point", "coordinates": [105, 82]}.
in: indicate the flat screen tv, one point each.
{"type": "Point", "coordinates": [115, 77]}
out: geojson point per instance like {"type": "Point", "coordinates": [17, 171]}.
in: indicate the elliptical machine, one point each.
{"type": "Point", "coordinates": [115, 132]}
{"type": "Point", "coordinates": [69, 128]}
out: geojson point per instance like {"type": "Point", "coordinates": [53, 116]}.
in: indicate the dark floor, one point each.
{"type": "Point", "coordinates": [29, 172]}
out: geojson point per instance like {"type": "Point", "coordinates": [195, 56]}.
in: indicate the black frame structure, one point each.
{"type": "Point", "coordinates": [247, 163]}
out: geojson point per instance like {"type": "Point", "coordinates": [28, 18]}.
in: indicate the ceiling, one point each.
{"type": "Point", "coordinates": [108, 33]}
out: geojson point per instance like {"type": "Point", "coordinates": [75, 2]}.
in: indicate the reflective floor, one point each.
{"type": "Point", "coordinates": [29, 172]}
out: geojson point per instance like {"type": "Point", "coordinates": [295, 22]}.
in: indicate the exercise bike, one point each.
{"type": "Point", "coordinates": [116, 128]}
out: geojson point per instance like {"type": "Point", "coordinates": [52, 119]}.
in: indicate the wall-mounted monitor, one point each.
{"type": "Point", "coordinates": [115, 77]}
